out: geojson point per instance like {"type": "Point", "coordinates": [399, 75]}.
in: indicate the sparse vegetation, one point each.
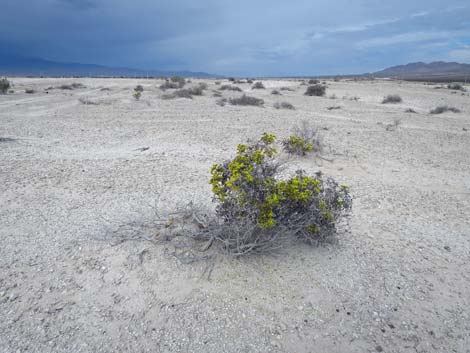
{"type": "Point", "coordinates": [71, 86]}
{"type": "Point", "coordinates": [29, 91]}
{"type": "Point", "coordinates": [392, 98]}
{"type": "Point", "coordinates": [222, 102]}
{"type": "Point", "coordinates": [456, 87]}
{"type": "Point", "coordinates": [410, 110]}
{"type": "Point", "coordinates": [4, 85]}
{"type": "Point", "coordinates": [444, 108]}
{"type": "Point", "coordinates": [230, 88]}
{"type": "Point", "coordinates": [258, 85]}
{"type": "Point", "coordinates": [139, 88]}
{"type": "Point", "coordinates": [334, 107]}
{"type": "Point", "coordinates": [137, 95]}
{"type": "Point", "coordinates": [283, 105]}
{"type": "Point", "coordinates": [315, 90]}
{"type": "Point", "coordinates": [259, 213]}
{"type": "Point", "coordinates": [179, 80]}
{"type": "Point", "coordinates": [275, 92]}
{"type": "Point", "coordinates": [169, 85]}
{"type": "Point", "coordinates": [394, 125]}
{"type": "Point", "coordinates": [313, 82]}
{"type": "Point", "coordinates": [247, 100]}
{"type": "Point", "coordinates": [287, 89]}
{"type": "Point", "coordinates": [304, 139]}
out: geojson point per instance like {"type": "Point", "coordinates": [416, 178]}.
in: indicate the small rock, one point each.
{"type": "Point", "coordinates": [447, 247]}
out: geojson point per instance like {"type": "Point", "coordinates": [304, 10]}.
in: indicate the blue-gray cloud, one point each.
{"type": "Point", "coordinates": [256, 37]}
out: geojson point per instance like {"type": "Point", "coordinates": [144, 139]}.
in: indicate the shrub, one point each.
{"type": "Point", "coordinates": [71, 86]}
{"type": "Point", "coordinates": [394, 125]}
{"type": "Point", "coordinates": [217, 94]}
{"type": "Point", "coordinates": [286, 89]}
{"type": "Point", "coordinates": [283, 105]}
{"type": "Point", "coordinates": [29, 91]}
{"type": "Point", "coordinates": [250, 81]}
{"type": "Point", "coordinates": [179, 80]}
{"type": "Point", "coordinates": [231, 79]}
{"type": "Point", "coordinates": [392, 98]}
{"type": "Point", "coordinates": [139, 88]}
{"type": "Point", "coordinates": [181, 93]}
{"type": "Point", "coordinates": [137, 95]}
{"type": "Point", "coordinates": [4, 85]}
{"type": "Point", "coordinates": [169, 85]}
{"type": "Point", "coordinates": [334, 107]}
{"type": "Point", "coordinates": [230, 88]}
{"type": "Point", "coordinates": [263, 211]}
{"type": "Point", "coordinates": [203, 85]}
{"type": "Point", "coordinates": [315, 90]}
{"type": "Point", "coordinates": [304, 139]}
{"type": "Point", "coordinates": [313, 82]}
{"type": "Point", "coordinates": [258, 85]}
{"type": "Point", "coordinates": [456, 87]}
{"type": "Point", "coordinates": [444, 108]}
{"type": "Point", "coordinates": [247, 100]}
{"type": "Point", "coordinates": [221, 102]}
{"type": "Point", "coordinates": [275, 92]}
{"type": "Point", "coordinates": [409, 110]}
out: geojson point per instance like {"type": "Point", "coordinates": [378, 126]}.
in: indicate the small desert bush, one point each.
{"type": "Point", "coordinates": [250, 81]}
{"type": "Point", "coordinates": [410, 110]}
{"type": "Point", "coordinates": [4, 85]}
{"type": "Point", "coordinates": [304, 139]}
{"type": "Point", "coordinates": [258, 212]}
{"type": "Point", "coordinates": [283, 105]}
{"type": "Point", "coordinates": [181, 93]}
{"type": "Point", "coordinates": [315, 90]}
{"type": "Point", "coordinates": [71, 86]}
{"type": "Point", "coordinates": [221, 101]}
{"type": "Point", "coordinates": [29, 91]}
{"type": "Point", "coordinates": [247, 100]}
{"type": "Point", "coordinates": [179, 80]}
{"type": "Point", "coordinates": [393, 126]}
{"type": "Point", "coordinates": [169, 85]}
{"type": "Point", "coordinates": [203, 85]}
{"type": "Point", "coordinates": [230, 88]}
{"type": "Point", "coordinates": [313, 82]}
{"type": "Point", "coordinates": [137, 95]}
{"type": "Point", "coordinates": [286, 89]}
{"type": "Point", "coordinates": [217, 94]}
{"type": "Point", "coordinates": [456, 87]}
{"type": "Point", "coordinates": [392, 98]}
{"type": "Point", "coordinates": [334, 107]}
{"type": "Point", "coordinates": [258, 85]}
{"type": "Point", "coordinates": [444, 108]}
{"type": "Point", "coordinates": [139, 88]}
{"type": "Point", "coordinates": [275, 92]}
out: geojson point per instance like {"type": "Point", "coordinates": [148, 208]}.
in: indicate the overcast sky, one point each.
{"type": "Point", "coordinates": [239, 37]}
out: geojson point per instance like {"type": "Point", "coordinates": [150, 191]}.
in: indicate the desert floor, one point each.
{"type": "Point", "coordinates": [78, 197]}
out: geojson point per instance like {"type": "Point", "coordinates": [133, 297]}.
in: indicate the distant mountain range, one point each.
{"type": "Point", "coordinates": [438, 70]}
{"type": "Point", "coordinates": [13, 65]}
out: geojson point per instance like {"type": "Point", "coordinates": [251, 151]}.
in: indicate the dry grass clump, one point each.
{"type": "Point", "coordinates": [4, 85]}
{"type": "Point", "coordinates": [222, 101]}
{"type": "Point", "coordinates": [71, 86]}
{"type": "Point", "coordinates": [392, 98]}
{"type": "Point", "coordinates": [315, 90]}
{"type": "Point", "coordinates": [170, 85]}
{"type": "Point", "coordinates": [217, 94]}
{"type": "Point", "coordinates": [275, 92]}
{"type": "Point", "coordinates": [304, 139]}
{"type": "Point", "coordinates": [313, 82]}
{"type": "Point", "coordinates": [287, 89]}
{"type": "Point", "coordinates": [247, 100]}
{"type": "Point", "coordinates": [139, 88]}
{"type": "Point", "coordinates": [230, 88]}
{"type": "Point", "coordinates": [29, 91]}
{"type": "Point", "coordinates": [258, 85]}
{"type": "Point", "coordinates": [444, 108]}
{"type": "Point", "coordinates": [410, 110]}
{"type": "Point", "coordinates": [334, 107]}
{"type": "Point", "coordinates": [179, 80]}
{"type": "Point", "coordinates": [392, 127]}
{"type": "Point", "coordinates": [283, 105]}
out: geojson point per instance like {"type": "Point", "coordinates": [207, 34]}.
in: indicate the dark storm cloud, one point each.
{"type": "Point", "coordinates": [239, 37]}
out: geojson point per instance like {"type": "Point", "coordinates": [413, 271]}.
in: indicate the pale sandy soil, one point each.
{"type": "Point", "coordinates": [74, 186]}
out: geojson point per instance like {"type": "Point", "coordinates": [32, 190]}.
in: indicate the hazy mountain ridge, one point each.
{"type": "Point", "coordinates": [421, 69]}
{"type": "Point", "coordinates": [12, 65]}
